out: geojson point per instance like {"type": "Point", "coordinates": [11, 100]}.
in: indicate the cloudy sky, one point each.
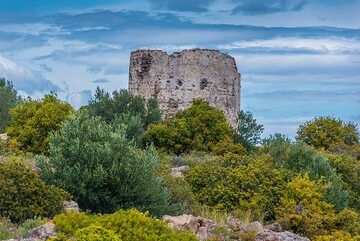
{"type": "Point", "coordinates": [298, 58]}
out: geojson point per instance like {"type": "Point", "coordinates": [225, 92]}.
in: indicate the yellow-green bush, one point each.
{"type": "Point", "coordinates": [122, 225]}
{"type": "Point", "coordinates": [197, 128]}
{"type": "Point", "coordinates": [337, 236]}
{"type": "Point", "coordinates": [302, 209]}
{"type": "Point", "coordinates": [226, 146]}
{"type": "Point", "coordinates": [34, 120]}
{"type": "Point", "coordinates": [323, 132]}
{"type": "Point", "coordinates": [23, 195]}
{"type": "Point", "coordinates": [238, 182]}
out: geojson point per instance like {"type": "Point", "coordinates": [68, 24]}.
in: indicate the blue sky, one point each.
{"type": "Point", "coordinates": [298, 58]}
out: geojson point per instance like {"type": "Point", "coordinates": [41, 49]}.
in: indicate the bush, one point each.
{"type": "Point", "coordinates": [302, 209]}
{"type": "Point", "coordinates": [34, 120]}
{"type": "Point", "coordinates": [197, 128]}
{"type": "Point", "coordinates": [122, 102]}
{"type": "Point", "coordinates": [102, 169]}
{"type": "Point", "coordinates": [227, 146]}
{"type": "Point", "coordinates": [337, 235]}
{"type": "Point", "coordinates": [8, 99]}
{"type": "Point", "coordinates": [248, 131]}
{"type": "Point", "coordinates": [238, 183]}
{"type": "Point", "coordinates": [301, 158]}
{"type": "Point", "coordinates": [349, 169]}
{"type": "Point", "coordinates": [322, 132]}
{"type": "Point", "coordinates": [23, 195]}
{"type": "Point", "coordinates": [278, 146]}
{"type": "Point", "coordinates": [122, 225]}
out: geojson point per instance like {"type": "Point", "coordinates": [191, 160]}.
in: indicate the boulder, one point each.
{"type": "Point", "coordinates": [276, 227]}
{"type": "Point", "coordinates": [43, 232]}
{"type": "Point", "coordinates": [268, 235]}
{"type": "Point", "coordinates": [203, 228]}
{"type": "Point", "coordinates": [178, 171]}
{"type": "Point", "coordinates": [71, 206]}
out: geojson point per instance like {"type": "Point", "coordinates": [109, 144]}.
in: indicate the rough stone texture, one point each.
{"type": "Point", "coordinates": [175, 80]}
{"type": "Point", "coordinates": [205, 228]}
{"type": "Point", "coordinates": [71, 206]}
{"type": "Point", "coordinates": [43, 232]}
{"type": "Point", "coordinates": [268, 235]}
{"type": "Point", "coordinates": [178, 171]}
{"type": "Point", "coordinates": [202, 227]}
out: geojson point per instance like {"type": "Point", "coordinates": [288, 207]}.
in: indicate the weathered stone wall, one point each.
{"type": "Point", "coordinates": [175, 80]}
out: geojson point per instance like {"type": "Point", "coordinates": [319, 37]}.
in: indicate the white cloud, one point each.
{"type": "Point", "coordinates": [323, 45]}
{"type": "Point", "coordinates": [24, 79]}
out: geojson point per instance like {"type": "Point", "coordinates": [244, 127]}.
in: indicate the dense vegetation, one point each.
{"type": "Point", "coordinates": [122, 225]}
{"type": "Point", "coordinates": [115, 154]}
{"type": "Point", "coordinates": [198, 128]}
{"type": "Point", "coordinates": [34, 120]}
{"type": "Point", "coordinates": [23, 195]}
{"type": "Point", "coordinates": [102, 169]}
{"type": "Point", "coordinates": [8, 99]}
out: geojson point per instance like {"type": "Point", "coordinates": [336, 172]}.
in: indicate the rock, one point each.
{"type": "Point", "coordinates": [276, 227]}
{"type": "Point", "coordinates": [43, 232]}
{"type": "Point", "coordinates": [268, 235]}
{"type": "Point", "coordinates": [178, 171]}
{"type": "Point", "coordinates": [203, 228]}
{"type": "Point", "coordinates": [71, 206]}
{"type": "Point", "coordinates": [256, 226]}
{"type": "Point", "coordinates": [4, 137]}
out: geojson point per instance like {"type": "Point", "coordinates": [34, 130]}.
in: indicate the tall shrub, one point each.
{"type": "Point", "coordinates": [102, 169]}
{"type": "Point", "coordinates": [34, 120]}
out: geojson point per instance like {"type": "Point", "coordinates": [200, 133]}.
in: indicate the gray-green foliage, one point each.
{"type": "Point", "coordinates": [122, 102]}
{"type": "Point", "coordinates": [8, 100]}
{"type": "Point", "coordinates": [248, 130]}
{"type": "Point", "coordinates": [102, 169]}
{"type": "Point", "coordinates": [301, 158]}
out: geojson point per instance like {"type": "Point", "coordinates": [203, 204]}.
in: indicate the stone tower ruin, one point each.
{"type": "Point", "coordinates": [175, 80]}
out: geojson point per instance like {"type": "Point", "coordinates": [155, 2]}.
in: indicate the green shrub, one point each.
{"type": "Point", "coordinates": [302, 209]}
{"type": "Point", "coordinates": [23, 195]}
{"type": "Point", "coordinates": [227, 146]}
{"type": "Point", "coordinates": [278, 146]}
{"type": "Point", "coordinates": [34, 120]}
{"type": "Point", "coordinates": [349, 221]}
{"type": "Point", "coordinates": [322, 132]}
{"type": "Point", "coordinates": [238, 182]}
{"type": "Point", "coordinates": [349, 169]}
{"type": "Point", "coordinates": [8, 99]}
{"type": "Point", "coordinates": [96, 233]}
{"type": "Point", "coordinates": [337, 236]}
{"type": "Point", "coordinates": [301, 158]}
{"type": "Point", "coordinates": [123, 103]}
{"type": "Point", "coordinates": [102, 169]}
{"type": "Point", "coordinates": [197, 128]}
{"type": "Point", "coordinates": [122, 225]}
{"type": "Point", "coordinates": [248, 131]}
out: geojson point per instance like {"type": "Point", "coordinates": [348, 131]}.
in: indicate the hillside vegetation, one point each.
{"type": "Point", "coordinates": [113, 157]}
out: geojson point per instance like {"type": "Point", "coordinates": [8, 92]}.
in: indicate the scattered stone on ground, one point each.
{"type": "Point", "coordinates": [178, 171]}
{"type": "Point", "coordinates": [43, 232]}
{"type": "Point", "coordinates": [4, 137]}
{"type": "Point", "coordinates": [205, 228]}
{"type": "Point", "coordinates": [71, 206]}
